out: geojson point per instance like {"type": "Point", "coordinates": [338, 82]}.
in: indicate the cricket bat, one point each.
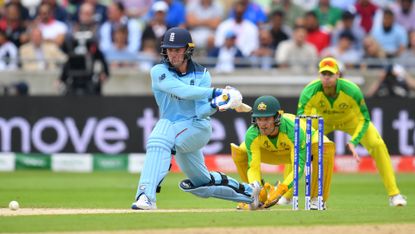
{"type": "Point", "coordinates": [241, 108]}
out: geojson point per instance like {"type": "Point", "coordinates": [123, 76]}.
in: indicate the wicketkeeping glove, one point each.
{"type": "Point", "coordinates": [275, 194]}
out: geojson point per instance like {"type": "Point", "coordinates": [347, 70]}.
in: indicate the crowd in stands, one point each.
{"type": "Point", "coordinates": [40, 34]}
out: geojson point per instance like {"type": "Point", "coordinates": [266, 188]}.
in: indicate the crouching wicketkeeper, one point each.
{"type": "Point", "coordinates": [270, 140]}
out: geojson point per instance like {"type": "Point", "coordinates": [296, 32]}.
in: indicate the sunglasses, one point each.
{"type": "Point", "coordinates": [328, 63]}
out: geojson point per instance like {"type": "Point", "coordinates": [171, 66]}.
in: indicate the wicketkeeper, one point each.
{"type": "Point", "coordinates": [270, 140]}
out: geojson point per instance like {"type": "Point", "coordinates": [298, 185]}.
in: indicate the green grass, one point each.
{"type": "Point", "coordinates": [355, 199]}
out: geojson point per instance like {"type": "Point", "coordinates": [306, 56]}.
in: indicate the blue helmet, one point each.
{"type": "Point", "coordinates": [177, 38]}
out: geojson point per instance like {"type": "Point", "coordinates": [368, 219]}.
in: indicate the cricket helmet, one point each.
{"type": "Point", "coordinates": [177, 38]}
{"type": "Point", "coordinates": [266, 106]}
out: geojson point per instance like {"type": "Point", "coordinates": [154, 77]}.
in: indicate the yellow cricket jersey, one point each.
{"type": "Point", "coordinates": [281, 146]}
{"type": "Point", "coordinates": [349, 106]}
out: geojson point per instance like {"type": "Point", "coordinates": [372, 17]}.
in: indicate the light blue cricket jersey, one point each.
{"type": "Point", "coordinates": [182, 96]}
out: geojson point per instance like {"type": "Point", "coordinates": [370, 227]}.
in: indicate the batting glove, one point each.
{"type": "Point", "coordinates": [234, 96]}
{"type": "Point", "coordinates": [219, 101]}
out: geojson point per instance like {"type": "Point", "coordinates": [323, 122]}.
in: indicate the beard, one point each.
{"type": "Point", "coordinates": [387, 29]}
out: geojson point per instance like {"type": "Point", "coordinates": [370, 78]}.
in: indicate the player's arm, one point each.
{"type": "Point", "coordinates": [304, 105]}
{"type": "Point", "coordinates": [163, 80]}
{"type": "Point", "coordinates": [253, 149]}
{"type": "Point", "coordinates": [203, 106]}
{"type": "Point", "coordinates": [276, 193]}
{"type": "Point", "coordinates": [363, 114]}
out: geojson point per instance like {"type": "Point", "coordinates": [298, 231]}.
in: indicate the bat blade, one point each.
{"type": "Point", "coordinates": [243, 108]}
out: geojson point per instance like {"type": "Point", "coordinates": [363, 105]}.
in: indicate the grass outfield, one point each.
{"type": "Point", "coordinates": [355, 199]}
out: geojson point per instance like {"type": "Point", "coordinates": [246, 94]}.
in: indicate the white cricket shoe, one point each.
{"type": "Point", "coordinates": [314, 204]}
{"type": "Point", "coordinates": [397, 200]}
{"type": "Point", "coordinates": [285, 201]}
{"type": "Point", "coordinates": [256, 188]}
{"type": "Point", "coordinates": [143, 203]}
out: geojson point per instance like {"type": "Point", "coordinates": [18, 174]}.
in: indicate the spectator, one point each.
{"type": "Point", "coordinates": [202, 18]}
{"type": "Point", "coordinates": [52, 29]}
{"type": "Point", "coordinates": [227, 54]}
{"type": "Point", "coordinates": [291, 10]}
{"type": "Point", "coordinates": [137, 9]}
{"type": "Point", "coordinates": [348, 24]}
{"type": "Point", "coordinates": [394, 82]}
{"type": "Point", "coordinates": [344, 5]}
{"type": "Point", "coordinates": [8, 53]}
{"type": "Point", "coordinates": [116, 19]}
{"type": "Point", "coordinates": [58, 11]}
{"type": "Point", "coordinates": [344, 51]}
{"type": "Point", "coordinates": [148, 55]}
{"type": "Point", "coordinates": [99, 11]}
{"type": "Point", "coordinates": [315, 36]}
{"type": "Point", "coordinates": [366, 10]}
{"type": "Point", "coordinates": [407, 58]}
{"type": "Point", "coordinates": [39, 55]}
{"type": "Point", "coordinates": [13, 25]}
{"type": "Point", "coordinates": [263, 56]}
{"type": "Point", "coordinates": [404, 12]}
{"type": "Point", "coordinates": [373, 53]}
{"type": "Point", "coordinates": [176, 16]}
{"type": "Point", "coordinates": [306, 5]}
{"type": "Point", "coordinates": [119, 55]}
{"type": "Point", "coordinates": [253, 12]}
{"type": "Point", "coordinates": [247, 37]}
{"type": "Point", "coordinates": [23, 11]}
{"type": "Point", "coordinates": [279, 31]}
{"type": "Point", "coordinates": [391, 36]}
{"type": "Point", "coordinates": [86, 20]}
{"type": "Point", "coordinates": [154, 29]}
{"type": "Point", "coordinates": [297, 53]}
{"type": "Point", "coordinates": [327, 15]}
{"type": "Point", "coordinates": [86, 69]}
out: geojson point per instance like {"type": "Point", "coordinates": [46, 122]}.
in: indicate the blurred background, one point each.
{"type": "Point", "coordinates": [74, 74]}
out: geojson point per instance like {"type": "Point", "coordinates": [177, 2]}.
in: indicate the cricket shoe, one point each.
{"type": "Point", "coordinates": [314, 204]}
{"type": "Point", "coordinates": [285, 201]}
{"type": "Point", "coordinates": [397, 200]}
{"type": "Point", "coordinates": [256, 189]}
{"type": "Point", "coordinates": [143, 203]}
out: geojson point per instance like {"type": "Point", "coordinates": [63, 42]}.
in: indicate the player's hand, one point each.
{"type": "Point", "coordinates": [234, 98]}
{"type": "Point", "coordinates": [274, 194]}
{"type": "Point", "coordinates": [219, 101]}
{"type": "Point", "coordinates": [352, 150]}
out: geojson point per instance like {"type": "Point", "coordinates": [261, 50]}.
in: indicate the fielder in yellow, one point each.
{"type": "Point", "coordinates": [343, 108]}
{"type": "Point", "coordinates": [270, 140]}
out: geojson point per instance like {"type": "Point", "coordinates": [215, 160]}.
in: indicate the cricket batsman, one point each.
{"type": "Point", "coordinates": [270, 140]}
{"type": "Point", "coordinates": [340, 102]}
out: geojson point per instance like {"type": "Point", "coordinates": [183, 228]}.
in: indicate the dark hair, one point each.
{"type": "Point", "coordinates": [347, 15]}
{"type": "Point", "coordinates": [277, 12]}
{"type": "Point", "coordinates": [120, 6]}
{"type": "Point", "coordinates": [348, 35]}
{"type": "Point", "coordinates": [311, 13]}
{"type": "Point", "coordinates": [388, 11]}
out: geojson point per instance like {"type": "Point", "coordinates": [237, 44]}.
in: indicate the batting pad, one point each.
{"type": "Point", "coordinates": [158, 158]}
{"type": "Point", "coordinates": [217, 191]}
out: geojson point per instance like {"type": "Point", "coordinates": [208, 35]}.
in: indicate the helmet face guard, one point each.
{"type": "Point", "coordinates": [177, 38]}
{"type": "Point", "coordinates": [277, 118]}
